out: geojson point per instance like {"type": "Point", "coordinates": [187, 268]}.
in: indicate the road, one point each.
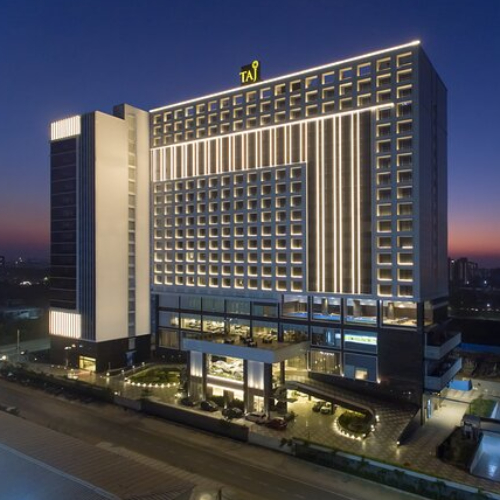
{"type": "Point", "coordinates": [266, 474]}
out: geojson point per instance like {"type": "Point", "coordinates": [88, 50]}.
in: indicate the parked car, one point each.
{"type": "Point", "coordinates": [257, 417]}
{"type": "Point", "coordinates": [277, 423]}
{"type": "Point", "coordinates": [208, 406]}
{"type": "Point", "coordinates": [232, 413]}
{"type": "Point", "coordinates": [327, 409]}
{"type": "Point", "coordinates": [187, 401]}
{"type": "Point", "coordinates": [317, 406]}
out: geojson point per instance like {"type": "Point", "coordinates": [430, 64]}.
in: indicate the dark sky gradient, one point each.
{"type": "Point", "coordinates": [59, 58]}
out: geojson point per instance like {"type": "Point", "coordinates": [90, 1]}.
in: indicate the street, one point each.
{"type": "Point", "coordinates": [263, 473]}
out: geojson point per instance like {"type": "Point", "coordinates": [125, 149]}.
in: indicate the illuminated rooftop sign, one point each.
{"type": "Point", "coordinates": [250, 73]}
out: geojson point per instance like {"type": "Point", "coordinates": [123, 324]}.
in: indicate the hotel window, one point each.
{"type": "Point", "coordinates": [405, 274]}
{"type": "Point", "coordinates": [384, 226]}
{"type": "Point", "coordinates": [384, 179]}
{"type": "Point", "coordinates": [189, 111]}
{"type": "Point", "coordinates": [384, 274]}
{"type": "Point", "coordinates": [328, 78]}
{"type": "Point", "coordinates": [404, 92]}
{"type": "Point", "coordinates": [385, 290]}
{"type": "Point", "coordinates": [405, 225]}
{"type": "Point", "coordinates": [265, 93]}
{"type": "Point", "coordinates": [405, 144]}
{"type": "Point", "coordinates": [405, 259]}
{"type": "Point", "coordinates": [405, 127]}
{"type": "Point", "coordinates": [405, 242]}
{"type": "Point", "coordinates": [310, 97]}
{"type": "Point", "coordinates": [404, 59]}
{"type": "Point", "coordinates": [384, 242]}
{"type": "Point", "coordinates": [279, 89]}
{"type": "Point", "coordinates": [383, 130]}
{"type": "Point", "coordinates": [404, 193]}
{"type": "Point", "coordinates": [295, 86]}
{"type": "Point", "coordinates": [384, 162]}
{"type": "Point", "coordinates": [346, 89]}
{"type": "Point", "coordinates": [325, 362]}
{"type": "Point", "coordinates": [384, 258]}
{"type": "Point", "coordinates": [383, 64]}
{"type": "Point", "coordinates": [326, 309]}
{"type": "Point", "coordinates": [383, 96]}
{"type": "Point", "coordinates": [404, 76]}
{"type": "Point", "coordinates": [399, 313]}
{"type": "Point", "coordinates": [328, 107]}
{"type": "Point", "coordinates": [364, 85]}
{"type": "Point", "coordinates": [364, 100]}
{"type": "Point", "coordinates": [384, 210]}
{"type": "Point", "coordinates": [404, 109]}
{"type": "Point", "coordinates": [384, 80]}
{"type": "Point", "coordinates": [361, 311]}
{"type": "Point", "coordinates": [212, 106]}
{"type": "Point", "coordinates": [404, 160]}
{"type": "Point", "coordinates": [405, 291]}
{"type": "Point", "coordinates": [364, 69]}
{"type": "Point", "coordinates": [312, 82]}
{"type": "Point", "coordinates": [295, 306]}
{"type": "Point", "coordinates": [346, 73]}
{"type": "Point", "coordinates": [346, 104]}
{"type": "Point", "coordinates": [384, 114]}
{"type": "Point", "coordinates": [384, 146]}
{"type": "Point", "coordinates": [328, 93]}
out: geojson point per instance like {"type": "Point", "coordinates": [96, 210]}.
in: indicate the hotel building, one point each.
{"type": "Point", "coordinates": [298, 231]}
{"type": "Point", "coordinates": [99, 285]}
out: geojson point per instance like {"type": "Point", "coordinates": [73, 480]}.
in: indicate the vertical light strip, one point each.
{"type": "Point", "coordinates": [195, 168]}
{"type": "Point", "coordinates": [271, 148]}
{"type": "Point", "coordinates": [353, 214]}
{"type": "Point", "coordinates": [358, 138]}
{"type": "Point", "coordinates": [256, 149]}
{"type": "Point", "coordinates": [301, 137]}
{"type": "Point", "coordinates": [335, 211]}
{"type": "Point", "coordinates": [323, 201]}
{"type": "Point", "coordinates": [217, 154]}
{"type": "Point", "coordinates": [341, 236]}
{"type": "Point", "coordinates": [230, 144]}
{"type": "Point", "coordinates": [285, 152]}
{"type": "Point", "coordinates": [318, 211]}
{"type": "Point", "coordinates": [247, 153]}
{"type": "Point", "coordinates": [261, 159]}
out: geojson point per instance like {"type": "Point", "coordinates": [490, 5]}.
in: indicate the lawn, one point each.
{"type": "Point", "coordinates": [156, 375]}
{"type": "Point", "coordinates": [482, 407]}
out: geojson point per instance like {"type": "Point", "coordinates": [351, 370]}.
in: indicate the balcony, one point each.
{"type": "Point", "coordinates": [442, 374]}
{"type": "Point", "coordinates": [440, 343]}
{"type": "Point", "coordinates": [264, 348]}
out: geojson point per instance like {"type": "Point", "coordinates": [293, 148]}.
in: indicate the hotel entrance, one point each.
{"type": "Point", "coordinates": [86, 363]}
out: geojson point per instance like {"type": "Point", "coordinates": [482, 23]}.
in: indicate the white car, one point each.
{"type": "Point", "coordinates": [258, 417]}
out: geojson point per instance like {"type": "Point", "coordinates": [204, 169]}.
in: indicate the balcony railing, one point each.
{"type": "Point", "coordinates": [440, 377]}
{"type": "Point", "coordinates": [440, 344]}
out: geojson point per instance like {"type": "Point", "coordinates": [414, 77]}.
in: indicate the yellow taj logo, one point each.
{"type": "Point", "coordinates": [250, 73]}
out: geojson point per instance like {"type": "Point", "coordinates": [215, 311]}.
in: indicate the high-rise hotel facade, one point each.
{"type": "Point", "coordinates": [299, 230]}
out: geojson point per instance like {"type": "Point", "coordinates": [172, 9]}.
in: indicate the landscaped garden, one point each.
{"type": "Point", "coordinates": [356, 424]}
{"type": "Point", "coordinates": [157, 375]}
{"type": "Point", "coordinates": [482, 407]}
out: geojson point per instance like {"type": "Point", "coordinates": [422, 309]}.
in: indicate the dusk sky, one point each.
{"type": "Point", "coordinates": [59, 58]}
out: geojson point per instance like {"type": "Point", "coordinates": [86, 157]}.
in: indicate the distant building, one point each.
{"type": "Point", "coordinates": [462, 272]}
